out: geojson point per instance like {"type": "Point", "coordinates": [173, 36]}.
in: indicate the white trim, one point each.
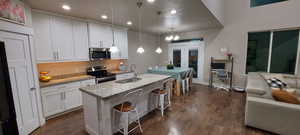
{"type": "Point", "coordinates": [42, 119]}
{"type": "Point", "coordinates": [297, 58]}
{"type": "Point", "coordinates": [270, 52]}
{"type": "Point", "coordinates": [15, 28]}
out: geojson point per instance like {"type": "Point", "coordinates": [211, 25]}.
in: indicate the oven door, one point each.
{"type": "Point", "coordinates": [99, 53]}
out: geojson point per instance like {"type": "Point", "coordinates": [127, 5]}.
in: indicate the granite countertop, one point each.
{"type": "Point", "coordinates": [66, 79]}
{"type": "Point", "coordinates": [119, 71]}
{"type": "Point", "coordinates": [108, 89]}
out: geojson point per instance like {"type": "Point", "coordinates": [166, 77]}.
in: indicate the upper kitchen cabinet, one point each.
{"type": "Point", "coordinates": [59, 38]}
{"type": "Point", "coordinates": [62, 37]}
{"type": "Point", "coordinates": [42, 37]}
{"type": "Point", "coordinates": [122, 43]}
{"type": "Point", "coordinates": [80, 36]}
{"type": "Point", "coordinates": [100, 36]}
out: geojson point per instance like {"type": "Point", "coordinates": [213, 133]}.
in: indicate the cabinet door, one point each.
{"type": "Point", "coordinates": [62, 36]}
{"type": "Point", "coordinates": [42, 38]}
{"type": "Point", "coordinates": [72, 98]}
{"type": "Point", "coordinates": [22, 80]}
{"type": "Point", "coordinates": [80, 36]}
{"type": "Point", "coordinates": [124, 45]}
{"type": "Point", "coordinates": [94, 35]}
{"type": "Point", "coordinates": [118, 43]}
{"type": "Point", "coordinates": [53, 103]}
{"type": "Point", "coordinates": [106, 36]}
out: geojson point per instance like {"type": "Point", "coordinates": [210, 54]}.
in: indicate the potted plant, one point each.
{"type": "Point", "coordinates": [170, 66]}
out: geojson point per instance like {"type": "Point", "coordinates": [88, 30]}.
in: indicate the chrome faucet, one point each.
{"type": "Point", "coordinates": [132, 69]}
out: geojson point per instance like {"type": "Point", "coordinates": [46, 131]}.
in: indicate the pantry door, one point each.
{"type": "Point", "coordinates": [188, 55]}
{"type": "Point", "coordinates": [22, 81]}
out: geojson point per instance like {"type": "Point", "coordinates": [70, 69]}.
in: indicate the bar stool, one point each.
{"type": "Point", "coordinates": [162, 93]}
{"type": "Point", "coordinates": [128, 107]}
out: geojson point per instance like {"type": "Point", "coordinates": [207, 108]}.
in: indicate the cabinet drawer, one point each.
{"type": "Point", "coordinates": [60, 87]}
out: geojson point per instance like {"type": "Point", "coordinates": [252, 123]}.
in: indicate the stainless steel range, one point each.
{"type": "Point", "coordinates": [101, 74]}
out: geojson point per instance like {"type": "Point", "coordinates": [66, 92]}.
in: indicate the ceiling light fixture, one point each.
{"type": "Point", "coordinates": [129, 23]}
{"type": "Point", "coordinates": [151, 1]}
{"type": "Point", "coordinates": [66, 7]}
{"type": "Point", "coordinates": [104, 17]}
{"type": "Point", "coordinates": [173, 12]}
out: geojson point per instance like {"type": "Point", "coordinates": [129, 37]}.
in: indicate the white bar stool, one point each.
{"type": "Point", "coordinates": [162, 93]}
{"type": "Point", "coordinates": [183, 82]}
{"type": "Point", "coordinates": [128, 107]}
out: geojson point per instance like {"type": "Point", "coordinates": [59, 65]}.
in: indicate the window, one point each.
{"type": "Point", "coordinates": [255, 3]}
{"type": "Point", "coordinates": [284, 51]}
{"type": "Point", "coordinates": [177, 58]}
{"type": "Point", "coordinates": [278, 57]}
{"type": "Point", "coordinates": [258, 52]}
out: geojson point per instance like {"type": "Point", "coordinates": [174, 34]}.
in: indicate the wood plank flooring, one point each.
{"type": "Point", "coordinates": [204, 111]}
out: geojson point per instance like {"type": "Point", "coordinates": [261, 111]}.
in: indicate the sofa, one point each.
{"type": "Point", "coordinates": [263, 112]}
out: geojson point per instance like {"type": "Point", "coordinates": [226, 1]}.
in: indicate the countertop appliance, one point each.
{"type": "Point", "coordinates": [8, 120]}
{"type": "Point", "coordinates": [99, 53]}
{"type": "Point", "coordinates": [101, 74]}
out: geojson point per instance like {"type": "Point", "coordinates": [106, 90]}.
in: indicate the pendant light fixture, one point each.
{"type": "Point", "coordinates": [140, 49]}
{"type": "Point", "coordinates": [113, 48]}
{"type": "Point", "coordinates": [158, 49]}
{"type": "Point", "coordinates": [172, 37]}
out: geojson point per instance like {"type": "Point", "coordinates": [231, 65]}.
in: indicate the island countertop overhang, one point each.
{"type": "Point", "coordinates": [109, 89]}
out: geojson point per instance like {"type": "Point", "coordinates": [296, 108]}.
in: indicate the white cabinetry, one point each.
{"type": "Point", "coordinates": [62, 38]}
{"type": "Point", "coordinates": [63, 97]}
{"type": "Point", "coordinates": [122, 43]}
{"type": "Point", "coordinates": [42, 37]}
{"type": "Point", "coordinates": [80, 36]}
{"type": "Point", "coordinates": [59, 38]}
{"type": "Point", "coordinates": [100, 36]}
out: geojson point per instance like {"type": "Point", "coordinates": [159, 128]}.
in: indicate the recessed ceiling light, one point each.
{"type": "Point", "coordinates": [104, 16]}
{"type": "Point", "coordinates": [151, 1]}
{"type": "Point", "coordinates": [173, 12]}
{"type": "Point", "coordinates": [66, 7]}
{"type": "Point", "coordinates": [129, 23]}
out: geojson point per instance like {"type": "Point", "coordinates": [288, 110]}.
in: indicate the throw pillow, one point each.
{"type": "Point", "coordinates": [284, 96]}
{"type": "Point", "coordinates": [276, 83]}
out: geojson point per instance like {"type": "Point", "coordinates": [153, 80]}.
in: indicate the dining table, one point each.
{"type": "Point", "coordinates": [177, 73]}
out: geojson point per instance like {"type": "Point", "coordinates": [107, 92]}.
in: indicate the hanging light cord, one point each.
{"type": "Point", "coordinates": [139, 4]}
{"type": "Point", "coordinates": [112, 22]}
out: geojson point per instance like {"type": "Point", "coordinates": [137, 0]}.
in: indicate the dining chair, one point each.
{"type": "Point", "coordinates": [129, 107]}
{"type": "Point", "coordinates": [166, 91]}
{"type": "Point", "coordinates": [189, 80]}
{"type": "Point", "coordinates": [184, 82]}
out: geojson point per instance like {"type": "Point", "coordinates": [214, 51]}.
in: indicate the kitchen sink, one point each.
{"type": "Point", "coordinates": [129, 80]}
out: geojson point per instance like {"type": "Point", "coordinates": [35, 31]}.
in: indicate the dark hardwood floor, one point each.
{"type": "Point", "coordinates": [204, 111]}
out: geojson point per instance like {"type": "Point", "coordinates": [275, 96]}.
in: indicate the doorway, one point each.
{"type": "Point", "coordinates": [189, 54]}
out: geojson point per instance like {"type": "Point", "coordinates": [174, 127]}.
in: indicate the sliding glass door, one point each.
{"type": "Point", "coordinates": [177, 58]}
{"type": "Point", "coordinates": [274, 52]}
{"type": "Point", "coordinates": [193, 61]}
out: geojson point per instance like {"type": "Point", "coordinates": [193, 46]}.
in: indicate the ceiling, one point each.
{"type": "Point", "coordinates": [191, 14]}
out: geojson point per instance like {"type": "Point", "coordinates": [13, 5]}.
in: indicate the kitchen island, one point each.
{"type": "Point", "coordinates": [99, 100]}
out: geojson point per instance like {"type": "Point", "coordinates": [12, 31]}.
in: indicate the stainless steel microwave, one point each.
{"type": "Point", "coordinates": [99, 53]}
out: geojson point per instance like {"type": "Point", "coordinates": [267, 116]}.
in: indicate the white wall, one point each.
{"type": "Point", "coordinates": [146, 59]}
{"type": "Point", "coordinates": [239, 20]}
{"type": "Point", "coordinates": [216, 7]}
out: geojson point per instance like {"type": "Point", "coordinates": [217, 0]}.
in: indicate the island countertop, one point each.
{"type": "Point", "coordinates": [108, 89]}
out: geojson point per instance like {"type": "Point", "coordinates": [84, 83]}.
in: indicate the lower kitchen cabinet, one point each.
{"type": "Point", "coordinates": [63, 97]}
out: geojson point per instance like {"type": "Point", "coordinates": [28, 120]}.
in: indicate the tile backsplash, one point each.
{"type": "Point", "coordinates": [64, 68]}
